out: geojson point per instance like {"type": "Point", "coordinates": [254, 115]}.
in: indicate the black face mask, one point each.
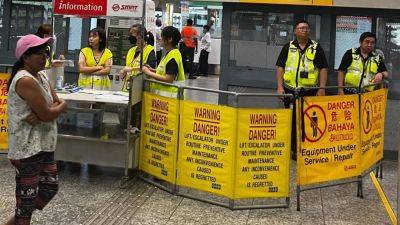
{"type": "Point", "coordinates": [132, 40]}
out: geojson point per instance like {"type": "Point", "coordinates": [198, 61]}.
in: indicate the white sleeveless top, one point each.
{"type": "Point", "coordinates": [25, 140]}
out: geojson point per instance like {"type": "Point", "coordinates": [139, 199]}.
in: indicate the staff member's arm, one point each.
{"type": "Point", "coordinates": [280, 71]}
{"type": "Point", "coordinates": [171, 70]}
{"type": "Point", "coordinates": [83, 68]}
{"type": "Point", "coordinates": [323, 78]}
{"type": "Point", "coordinates": [279, 79]}
{"type": "Point", "coordinates": [347, 59]}
{"type": "Point", "coordinates": [382, 71]}
{"type": "Point", "coordinates": [340, 82]}
{"type": "Point", "coordinates": [322, 64]}
{"type": "Point", "coordinates": [106, 69]}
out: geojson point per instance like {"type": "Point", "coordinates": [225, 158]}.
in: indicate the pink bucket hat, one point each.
{"type": "Point", "coordinates": [28, 41]}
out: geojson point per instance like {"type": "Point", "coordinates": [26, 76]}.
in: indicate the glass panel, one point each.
{"type": "Point", "coordinates": [317, 30]}
{"type": "Point", "coordinates": [60, 30]}
{"type": "Point", "coordinates": [348, 31]}
{"type": "Point", "coordinates": [388, 32]}
{"type": "Point", "coordinates": [26, 17]}
{"type": "Point", "coordinates": [93, 23]}
{"type": "Point", "coordinates": [74, 40]}
{"type": "Point", "coordinates": [204, 14]}
{"type": "Point", "coordinates": [257, 38]}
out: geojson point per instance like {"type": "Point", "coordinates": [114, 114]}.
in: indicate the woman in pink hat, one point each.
{"type": "Point", "coordinates": [33, 108]}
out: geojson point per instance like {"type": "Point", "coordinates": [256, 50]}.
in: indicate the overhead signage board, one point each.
{"type": "Point", "coordinates": [99, 8]}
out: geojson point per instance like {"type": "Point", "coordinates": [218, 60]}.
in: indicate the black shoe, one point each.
{"type": "Point", "coordinates": [192, 77]}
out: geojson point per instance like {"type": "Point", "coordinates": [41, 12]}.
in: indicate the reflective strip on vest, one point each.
{"type": "Point", "coordinates": [49, 59]}
{"type": "Point", "coordinates": [135, 63]}
{"type": "Point", "coordinates": [164, 90]}
{"type": "Point", "coordinates": [297, 63]}
{"type": "Point", "coordinates": [98, 82]}
{"type": "Point", "coordinates": [356, 69]}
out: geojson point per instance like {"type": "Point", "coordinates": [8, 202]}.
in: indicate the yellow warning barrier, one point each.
{"type": "Point", "coordinates": [230, 152]}
{"type": "Point", "coordinates": [263, 156]}
{"type": "Point", "coordinates": [330, 148]}
{"type": "Point", "coordinates": [207, 143]}
{"type": "Point", "coordinates": [373, 111]}
{"type": "Point", "coordinates": [159, 136]}
{"type": "Point", "coordinates": [340, 137]}
{"type": "Point", "coordinates": [4, 77]}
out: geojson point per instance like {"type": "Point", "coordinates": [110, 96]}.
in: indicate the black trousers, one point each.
{"type": "Point", "coordinates": [187, 58]}
{"type": "Point", "coordinates": [203, 63]}
{"type": "Point", "coordinates": [288, 102]}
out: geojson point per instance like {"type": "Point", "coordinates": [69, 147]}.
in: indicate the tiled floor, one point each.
{"type": "Point", "coordinates": [91, 195]}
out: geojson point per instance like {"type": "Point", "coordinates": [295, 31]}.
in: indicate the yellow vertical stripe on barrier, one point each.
{"type": "Point", "coordinates": [298, 138]}
{"type": "Point", "coordinates": [235, 152]}
{"type": "Point", "coordinates": [4, 77]}
{"type": "Point", "coordinates": [384, 199]}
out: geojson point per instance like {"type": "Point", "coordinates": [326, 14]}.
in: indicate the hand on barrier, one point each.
{"type": "Point", "coordinates": [150, 68]}
{"type": "Point", "coordinates": [321, 92]}
{"type": "Point", "coordinates": [146, 70]}
{"type": "Point", "coordinates": [340, 91]}
{"type": "Point", "coordinates": [280, 91]}
{"type": "Point", "coordinates": [122, 74]}
{"type": "Point", "coordinates": [378, 78]}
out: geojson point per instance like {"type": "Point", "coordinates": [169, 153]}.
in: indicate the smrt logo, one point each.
{"type": "Point", "coordinates": [130, 8]}
{"type": "Point", "coordinates": [116, 7]}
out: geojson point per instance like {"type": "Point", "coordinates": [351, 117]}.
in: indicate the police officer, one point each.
{"type": "Point", "coordinates": [361, 66]}
{"type": "Point", "coordinates": [301, 64]}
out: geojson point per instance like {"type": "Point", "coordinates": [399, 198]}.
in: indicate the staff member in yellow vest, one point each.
{"type": "Point", "coordinates": [132, 67]}
{"type": "Point", "coordinates": [361, 66]}
{"type": "Point", "coordinates": [46, 31]}
{"type": "Point", "coordinates": [95, 62]}
{"type": "Point", "coordinates": [170, 69]}
{"type": "Point", "coordinates": [301, 64]}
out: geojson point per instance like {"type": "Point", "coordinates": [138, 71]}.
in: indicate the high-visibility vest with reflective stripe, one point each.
{"type": "Point", "coordinates": [164, 90]}
{"type": "Point", "coordinates": [49, 58]}
{"type": "Point", "coordinates": [98, 82]}
{"type": "Point", "coordinates": [356, 69]}
{"type": "Point", "coordinates": [297, 63]}
{"type": "Point", "coordinates": [135, 62]}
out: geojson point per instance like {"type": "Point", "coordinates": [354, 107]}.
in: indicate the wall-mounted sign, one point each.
{"type": "Point", "coordinates": [98, 8]}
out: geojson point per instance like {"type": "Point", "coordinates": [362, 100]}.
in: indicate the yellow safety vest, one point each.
{"type": "Point", "coordinates": [358, 69]}
{"type": "Point", "coordinates": [297, 63]}
{"type": "Point", "coordinates": [98, 82]}
{"type": "Point", "coordinates": [135, 62]}
{"type": "Point", "coordinates": [49, 58]}
{"type": "Point", "coordinates": [164, 90]}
